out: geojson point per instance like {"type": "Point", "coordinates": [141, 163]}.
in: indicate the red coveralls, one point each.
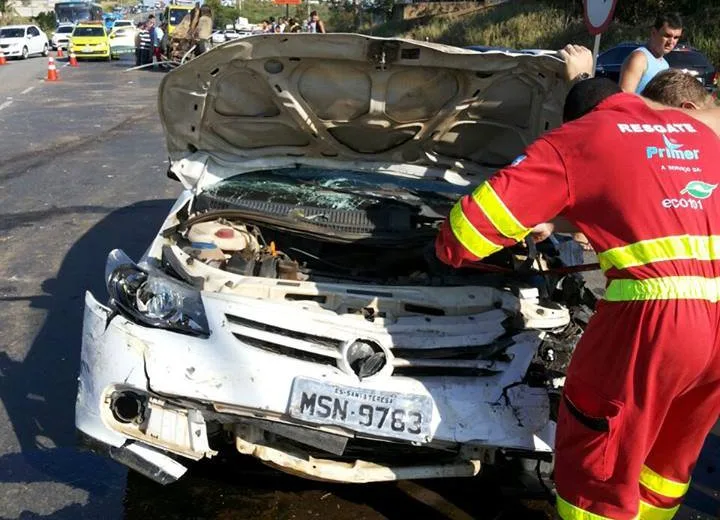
{"type": "Point", "coordinates": [643, 387]}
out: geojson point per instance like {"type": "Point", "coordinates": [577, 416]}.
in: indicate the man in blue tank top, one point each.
{"type": "Point", "coordinates": [645, 62]}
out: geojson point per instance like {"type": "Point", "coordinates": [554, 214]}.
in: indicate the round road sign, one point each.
{"type": "Point", "coordinates": [598, 14]}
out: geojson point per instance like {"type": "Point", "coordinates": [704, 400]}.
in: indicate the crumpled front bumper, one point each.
{"type": "Point", "coordinates": [222, 375]}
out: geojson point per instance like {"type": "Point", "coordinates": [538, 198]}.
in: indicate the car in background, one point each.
{"type": "Point", "coordinates": [90, 40]}
{"type": "Point", "coordinates": [218, 37]}
{"type": "Point", "coordinates": [123, 23]}
{"type": "Point", "coordinates": [231, 34]}
{"type": "Point", "coordinates": [22, 41]}
{"type": "Point", "coordinates": [122, 40]}
{"type": "Point", "coordinates": [683, 57]}
{"type": "Point", "coordinates": [489, 48]}
{"type": "Point", "coordinates": [61, 38]}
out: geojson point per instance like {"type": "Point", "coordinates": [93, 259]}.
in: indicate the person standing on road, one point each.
{"type": "Point", "coordinates": [643, 386]}
{"type": "Point", "coordinates": [143, 46]}
{"type": "Point", "coordinates": [156, 37]}
{"type": "Point", "coordinates": [204, 30]}
{"type": "Point", "coordinates": [646, 61]}
{"type": "Point", "coordinates": [315, 24]}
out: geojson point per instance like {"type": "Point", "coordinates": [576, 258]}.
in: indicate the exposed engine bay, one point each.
{"type": "Point", "coordinates": [311, 225]}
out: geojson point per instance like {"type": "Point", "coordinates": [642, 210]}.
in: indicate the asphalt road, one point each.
{"type": "Point", "coordinates": [82, 171]}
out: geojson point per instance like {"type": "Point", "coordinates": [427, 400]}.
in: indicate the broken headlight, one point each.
{"type": "Point", "coordinates": [151, 298]}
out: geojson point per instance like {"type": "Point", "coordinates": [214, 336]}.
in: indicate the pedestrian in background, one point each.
{"type": "Point", "coordinates": [204, 30]}
{"type": "Point", "coordinates": [646, 61]}
{"type": "Point", "coordinates": [156, 38]}
{"type": "Point", "coordinates": [315, 24]}
{"type": "Point", "coordinates": [143, 46]}
{"type": "Point", "coordinates": [293, 26]}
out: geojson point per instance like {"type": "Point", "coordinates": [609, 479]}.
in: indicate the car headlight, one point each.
{"type": "Point", "coordinates": [152, 298]}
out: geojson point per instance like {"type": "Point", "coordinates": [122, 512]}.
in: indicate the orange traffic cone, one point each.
{"type": "Point", "coordinates": [3, 61]}
{"type": "Point", "coordinates": [59, 53]}
{"type": "Point", "coordinates": [52, 71]}
{"type": "Point", "coordinates": [73, 59]}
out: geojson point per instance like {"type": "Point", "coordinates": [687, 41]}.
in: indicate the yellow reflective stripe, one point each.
{"type": "Point", "coordinates": [468, 236]}
{"type": "Point", "coordinates": [650, 512]}
{"type": "Point", "coordinates": [498, 214]}
{"type": "Point", "coordinates": [567, 511]}
{"type": "Point", "coordinates": [661, 485]}
{"type": "Point", "coordinates": [681, 247]}
{"type": "Point", "coordinates": [666, 288]}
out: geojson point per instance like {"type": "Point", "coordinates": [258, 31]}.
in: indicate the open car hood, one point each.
{"type": "Point", "coordinates": [349, 97]}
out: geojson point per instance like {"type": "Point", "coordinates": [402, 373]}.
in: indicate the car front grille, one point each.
{"type": "Point", "coordinates": [422, 346]}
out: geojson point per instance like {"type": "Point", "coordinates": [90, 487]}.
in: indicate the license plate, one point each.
{"type": "Point", "coordinates": [87, 49]}
{"type": "Point", "coordinates": [384, 414]}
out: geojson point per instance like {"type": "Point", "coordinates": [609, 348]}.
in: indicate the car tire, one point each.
{"type": "Point", "coordinates": [24, 54]}
{"type": "Point", "coordinates": [46, 51]}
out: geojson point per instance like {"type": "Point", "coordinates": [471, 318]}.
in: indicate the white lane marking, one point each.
{"type": "Point", "coordinates": [6, 104]}
{"type": "Point", "coordinates": [27, 90]}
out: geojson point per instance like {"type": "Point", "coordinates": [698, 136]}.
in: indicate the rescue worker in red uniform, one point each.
{"type": "Point", "coordinates": [643, 387]}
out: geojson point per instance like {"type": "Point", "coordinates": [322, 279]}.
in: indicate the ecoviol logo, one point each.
{"type": "Point", "coordinates": [697, 191]}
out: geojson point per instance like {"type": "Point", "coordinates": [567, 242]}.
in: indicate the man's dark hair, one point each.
{"type": "Point", "coordinates": [672, 19]}
{"type": "Point", "coordinates": [151, 17]}
{"type": "Point", "coordinates": [313, 13]}
{"type": "Point", "coordinates": [586, 95]}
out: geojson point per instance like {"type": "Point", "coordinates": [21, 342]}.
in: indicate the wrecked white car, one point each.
{"type": "Point", "coordinates": [291, 304]}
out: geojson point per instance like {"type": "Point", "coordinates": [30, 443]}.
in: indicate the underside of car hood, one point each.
{"type": "Point", "coordinates": [358, 98]}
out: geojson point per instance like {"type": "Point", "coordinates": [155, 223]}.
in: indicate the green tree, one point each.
{"type": "Point", "coordinates": [46, 21]}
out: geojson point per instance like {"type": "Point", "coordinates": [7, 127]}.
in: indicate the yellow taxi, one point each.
{"type": "Point", "coordinates": [90, 40]}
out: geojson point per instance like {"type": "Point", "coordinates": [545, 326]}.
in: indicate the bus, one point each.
{"type": "Point", "coordinates": [75, 12]}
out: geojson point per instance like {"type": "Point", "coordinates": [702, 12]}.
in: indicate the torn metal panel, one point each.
{"type": "Point", "coordinates": [107, 358]}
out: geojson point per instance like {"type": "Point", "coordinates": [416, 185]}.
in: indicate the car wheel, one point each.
{"type": "Point", "coordinates": [46, 51]}
{"type": "Point", "coordinates": [24, 53]}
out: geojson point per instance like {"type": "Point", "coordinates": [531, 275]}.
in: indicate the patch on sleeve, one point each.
{"type": "Point", "coordinates": [518, 160]}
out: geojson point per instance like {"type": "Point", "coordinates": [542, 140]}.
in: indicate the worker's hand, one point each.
{"type": "Point", "coordinates": [578, 59]}
{"type": "Point", "coordinates": [581, 239]}
{"type": "Point", "coordinates": [542, 231]}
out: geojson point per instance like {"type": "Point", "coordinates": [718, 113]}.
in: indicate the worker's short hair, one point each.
{"type": "Point", "coordinates": [673, 87]}
{"type": "Point", "coordinates": [586, 95]}
{"type": "Point", "coordinates": [672, 19]}
{"type": "Point", "coordinates": [313, 13]}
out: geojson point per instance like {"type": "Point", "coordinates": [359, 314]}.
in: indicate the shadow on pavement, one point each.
{"type": "Point", "coordinates": [235, 486]}
{"type": "Point", "coordinates": [39, 392]}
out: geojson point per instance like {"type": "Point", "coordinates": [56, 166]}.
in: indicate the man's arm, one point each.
{"type": "Point", "coordinates": [632, 70]}
{"type": "Point", "coordinates": [504, 210]}
{"type": "Point", "coordinates": [578, 61]}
